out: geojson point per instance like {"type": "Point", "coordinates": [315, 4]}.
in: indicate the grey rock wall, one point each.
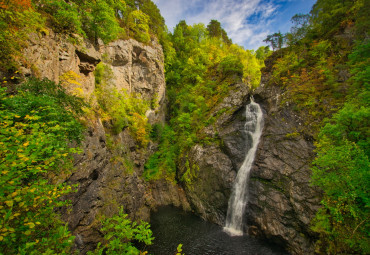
{"type": "Point", "coordinates": [214, 166]}
{"type": "Point", "coordinates": [281, 202]}
{"type": "Point", "coordinates": [109, 169]}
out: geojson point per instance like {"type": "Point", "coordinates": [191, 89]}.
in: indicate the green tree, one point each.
{"type": "Point", "coordinates": [156, 21]}
{"type": "Point", "coordinates": [102, 22]}
{"type": "Point", "coordinates": [299, 29]}
{"type": "Point", "coordinates": [214, 28]}
{"type": "Point", "coordinates": [138, 23]}
{"type": "Point", "coordinates": [64, 17]}
{"type": "Point", "coordinates": [276, 40]}
{"type": "Point", "coordinates": [262, 52]}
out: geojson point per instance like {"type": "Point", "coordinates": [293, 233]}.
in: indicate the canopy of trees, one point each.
{"type": "Point", "coordinates": [200, 70]}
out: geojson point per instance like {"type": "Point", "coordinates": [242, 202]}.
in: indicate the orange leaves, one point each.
{"type": "Point", "coordinates": [18, 5]}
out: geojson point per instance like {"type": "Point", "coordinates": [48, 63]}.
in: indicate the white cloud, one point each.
{"type": "Point", "coordinates": [236, 17]}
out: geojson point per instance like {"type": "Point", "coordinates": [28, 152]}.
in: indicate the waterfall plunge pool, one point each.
{"type": "Point", "coordinates": [172, 226]}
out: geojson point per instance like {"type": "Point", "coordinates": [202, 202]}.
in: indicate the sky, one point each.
{"type": "Point", "coordinates": [247, 22]}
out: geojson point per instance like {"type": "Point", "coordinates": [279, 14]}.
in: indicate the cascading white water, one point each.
{"type": "Point", "coordinates": [239, 197]}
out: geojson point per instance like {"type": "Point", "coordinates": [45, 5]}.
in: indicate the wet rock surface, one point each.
{"type": "Point", "coordinates": [281, 200]}
{"type": "Point", "coordinates": [213, 166]}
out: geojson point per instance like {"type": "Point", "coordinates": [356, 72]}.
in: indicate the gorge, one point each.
{"type": "Point", "coordinates": [109, 121]}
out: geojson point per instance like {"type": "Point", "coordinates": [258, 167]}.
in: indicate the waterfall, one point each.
{"type": "Point", "coordinates": [239, 197]}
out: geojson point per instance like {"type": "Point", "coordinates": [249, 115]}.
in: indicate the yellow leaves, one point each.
{"type": "Point", "coordinates": [1, 238]}
{"type": "Point", "coordinates": [26, 144]}
{"type": "Point", "coordinates": [5, 172]}
{"type": "Point", "coordinates": [14, 193]}
{"type": "Point", "coordinates": [23, 157]}
{"type": "Point", "coordinates": [30, 224]}
{"type": "Point", "coordinates": [17, 116]}
{"type": "Point", "coordinates": [9, 203]}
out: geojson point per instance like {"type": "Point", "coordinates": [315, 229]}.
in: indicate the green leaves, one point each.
{"type": "Point", "coordinates": [341, 170]}
{"type": "Point", "coordinates": [35, 131]}
{"type": "Point", "coordinates": [122, 108]}
{"type": "Point", "coordinates": [138, 23]}
{"type": "Point", "coordinates": [64, 16]}
{"type": "Point", "coordinates": [15, 27]}
{"type": "Point", "coordinates": [119, 233]}
{"type": "Point", "coordinates": [201, 65]}
{"type": "Point", "coordinates": [103, 22]}
{"type": "Point", "coordinates": [231, 65]}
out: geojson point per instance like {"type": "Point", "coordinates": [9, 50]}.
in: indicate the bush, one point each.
{"type": "Point", "coordinates": [120, 232]}
{"type": "Point", "coordinates": [35, 133]}
{"type": "Point", "coordinates": [123, 109]}
{"type": "Point", "coordinates": [64, 16]}
{"type": "Point", "coordinates": [231, 65]}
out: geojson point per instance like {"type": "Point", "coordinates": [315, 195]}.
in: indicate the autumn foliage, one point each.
{"type": "Point", "coordinates": [17, 5]}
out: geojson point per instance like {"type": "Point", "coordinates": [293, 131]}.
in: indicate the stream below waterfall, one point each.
{"type": "Point", "coordinates": [172, 226]}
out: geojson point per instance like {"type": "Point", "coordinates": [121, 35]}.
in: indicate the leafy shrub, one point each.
{"type": "Point", "coordinates": [101, 22]}
{"type": "Point", "coordinates": [231, 65]}
{"type": "Point", "coordinates": [163, 162]}
{"type": "Point", "coordinates": [120, 232]}
{"type": "Point", "coordinates": [122, 108]}
{"type": "Point", "coordinates": [342, 166]}
{"type": "Point", "coordinates": [64, 16]}
{"type": "Point", "coordinates": [35, 133]}
{"type": "Point", "coordinates": [15, 26]}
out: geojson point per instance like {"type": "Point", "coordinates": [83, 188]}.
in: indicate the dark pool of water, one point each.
{"type": "Point", "coordinates": [172, 226]}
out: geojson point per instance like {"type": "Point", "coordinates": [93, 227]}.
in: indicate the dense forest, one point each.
{"type": "Point", "coordinates": [323, 65]}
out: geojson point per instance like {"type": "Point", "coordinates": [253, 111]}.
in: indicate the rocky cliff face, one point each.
{"type": "Point", "coordinates": [214, 166]}
{"type": "Point", "coordinates": [108, 171]}
{"type": "Point", "coordinates": [281, 201]}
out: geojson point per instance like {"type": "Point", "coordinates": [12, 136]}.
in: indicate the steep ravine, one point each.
{"type": "Point", "coordinates": [281, 200]}
{"type": "Point", "coordinates": [105, 180]}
